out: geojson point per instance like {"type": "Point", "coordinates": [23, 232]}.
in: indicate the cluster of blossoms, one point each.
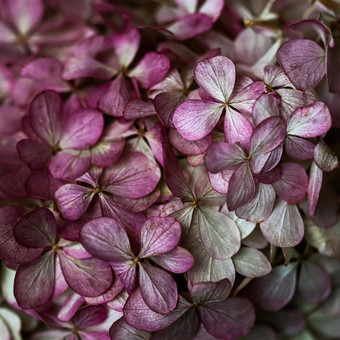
{"type": "Point", "coordinates": [165, 171]}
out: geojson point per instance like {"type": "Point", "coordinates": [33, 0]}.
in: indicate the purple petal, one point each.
{"type": "Point", "coordinates": [293, 184]}
{"type": "Point", "coordinates": [34, 281]}
{"type": "Point", "coordinates": [151, 69]}
{"type": "Point", "coordinates": [266, 162]}
{"type": "Point", "coordinates": [158, 289]}
{"type": "Point", "coordinates": [73, 200]}
{"type": "Point", "coordinates": [299, 148]}
{"type": "Point", "coordinates": [70, 307]}
{"type": "Point", "coordinates": [250, 262]}
{"type": "Point", "coordinates": [260, 206]}
{"type": "Point", "coordinates": [46, 112]}
{"type": "Point", "coordinates": [36, 229]}
{"type": "Point", "coordinates": [229, 319]}
{"type": "Point", "coordinates": [87, 277]}
{"type": "Point", "coordinates": [216, 76]}
{"type": "Point", "coordinates": [219, 234]}
{"type": "Point", "coordinates": [266, 106]}
{"type": "Point", "coordinates": [10, 250]}
{"type": "Point", "coordinates": [284, 227]}
{"type": "Point", "coordinates": [324, 157]}
{"type": "Point", "coordinates": [274, 291]}
{"type": "Point", "coordinates": [106, 239]}
{"type": "Point", "coordinates": [89, 316]}
{"type": "Point", "coordinates": [241, 187]}
{"type": "Point", "coordinates": [311, 121]}
{"type": "Point", "coordinates": [194, 119]}
{"type": "Point", "coordinates": [303, 61]}
{"type": "Point", "coordinates": [290, 100]}
{"type": "Point", "coordinates": [220, 181]}
{"type": "Point", "coordinates": [271, 176]}
{"type": "Point", "coordinates": [210, 292]}
{"type": "Point", "coordinates": [121, 330]}
{"type": "Point", "coordinates": [138, 108]}
{"type": "Point", "coordinates": [176, 261]}
{"type": "Point", "coordinates": [267, 135]}
{"type": "Point", "coordinates": [220, 156]}
{"type": "Point", "coordinates": [314, 187]}
{"type": "Point", "coordinates": [314, 283]}
{"type": "Point", "coordinates": [140, 316]}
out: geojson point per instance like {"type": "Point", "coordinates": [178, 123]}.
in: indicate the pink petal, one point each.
{"type": "Point", "coordinates": [34, 281]}
{"type": "Point", "coordinates": [158, 289]}
{"type": "Point", "coordinates": [194, 119]}
{"type": "Point", "coordinates": [135, 175]}
{"type": "Point", "coordinates": [46, 112]}
{"type": "Point", "coordinates": [87, 277]}
{"type": "Point", "coordinates": [73, 200]}
{"type": "Point", "coordinates": [284, 227]}
{"type": "Point", "coordinates": [219, 234]}
{"type": "Point", "coordinates": [275, 77]}
{"type": "Point", "coordinates": [220, 181]}
{"type": "Point", "coordinates": [151, 69]}
{"type": "Point", "coordinates": [190, 25]}
{"type": "Point", "coordinates": [271, 176]}
{"type": "Point", "coordinates": [314, 187]}
{"type": "Point", "coordinates": [178, 260]}
{"type": "Point", "coordinates": [37, 229]}
{"type": "Point", "coordinates": [299, 148]}
{"type": "Point", "coordinates": [106, 239]}
{"type": "Point", "coordinates": [241, 187]}
{"type": "Point", "coordinates": [290, 100]}
{"type": "Point", "coordinates": [293, 184]}
{"type": "Point", "coordinates": [138, 108]}
{"type": "Point", "coordinates": [210, 291]}
{"type": "Point", "coordinates": [324, 157]}
{"type": "Point", "coordinates": [89, 317]}
{"type": "Point", "coordinates": [311, 121]}
{"type": "Point", "coordinates": [260, 206]}
{"type": "Point", "coordinates": [224, 156]}
{"type": "Point", "coordinates": [216, 76]}
{"type": "Point", "coordinates": [302, 57]}
{"type": "Point", "coordinates": [212, 8]}
{"type": "Point", "coordinates": [266, 162]}
{"type": "Point", "coordinates": [70, 307]}
{"type": "Point", "coordinates": [266, 106]}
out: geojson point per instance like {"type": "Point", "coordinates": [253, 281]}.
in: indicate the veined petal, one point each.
{"type": "Point", "coordinates": [314, 187]}
{"type": "Point", "coordinates": [299, 148]}
{"type": "Point", "coordinates": [121, 330]}
{"type": "Point", "coordinates": [324, 157]}
{"type": "Point", "coordinates": [210, 291]}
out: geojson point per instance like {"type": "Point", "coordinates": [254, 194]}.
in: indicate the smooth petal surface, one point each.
{"type": "Point", "coordinates": [311, 121]}
{"type": "Point", "coordinates": [36, 229]}
{"type": "Point", "coordinates": [34, 281]}
{"type": "Point", "coordinates": [216, 76]}
{"type": "Point", "coordinates": [158, 289]}
{"type": "Point", "coordinates": [219, 234]}
{"type": "Point", "coordinates": [194, 119]}
{"type": "Point", "coordinates": [303, 61]}
{"type": "Point", "coordinates": [159, 235]}
{"type": "Point", "coordinates": [284, 227]}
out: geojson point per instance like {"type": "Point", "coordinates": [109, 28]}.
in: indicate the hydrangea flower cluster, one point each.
{"type": "Point", "coordinates": [167, 169]}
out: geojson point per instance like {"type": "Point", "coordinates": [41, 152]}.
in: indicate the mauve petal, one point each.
{"type": "Point", "coordinates": [274, 291]}
{"type": "Point", "coordinates": [189, 26]}
{"type": "Point", "coordinates": [216, 76]}
{"type": "Point", "coordinates": [159, 235]}
{"type": "Point", "coordinates": [220, 181]}
{"type": "Point", "coordinates": [237, 128]}
{"type": "Point", "coordinates": [290, 100]}
{"type": "Point", "coordinates": [140, 316]}
{"type": "Point", "coordinates": [37, 229]}
{"type": "Point", "coordinates": [138, 108]}
{"type": "Point", "coordinates": [223, 156]}
{"type": "Point", "coordinates": [271, 176]}
{"type": "Point", "coordinates": [26, 14]}
{"type": "Point", "coordinates": [77, 251]}
{"type": "Point", "coordinates": [229, 319]}
{"type": "Point", "coordinates": [121, 330]}
{"type": "Point", "coordinates": [151, 69]}
{"type": "Point", "coordinates": [34, 281]}
{"type": "Point", "coordinates": [250, 262]}
{"type": "Point", "coordinates": [10, 250]}
{"type": "Point", "coordinates": [314, 187]}
{"type": "Point", "coordinates": [107, 152]}
{"type": "Point", "coordinates": [106, 239]}
{"type": "Point", "coordinates": [284, 226]}
{"type": "Point", "coordinates": [82, 129]}
{"type": "Point", "coordinates": [194, 119]}
{"type": "Point", "coordinates": [303, 61]}
{"type": "Point", "coordinates": [311, 121]}
{"type": "Point", "coordinates": [314, 283]}
{"type": "Point", "coordinates": [241, 187]}
{"type": "Point", "coordinates": [69, 164]}
{"type": "Point", "coordinates": [266, 162]}
{"type": "Point", "coordinates": [46, 114]}
{"type": "Point", "coordinates": [87, 277]}
{"type": "Point", "coordinates": [70, 307]}
{"type": "Point", "coordinates": [324, 157]}
{"type": "Point", "coordinates": [127, 272]}
{"type": "Point", "coordinates": [212, 8]}
{"type": "Point", "coordinates": [267, 135]}
{"type": "Point", "coordinates": [34, 154]}
{"type": "Point", "coordinates": [7, 36]}
{"type": "Point", "coordinates": [90, 335]}
{"type": "Point", "coordinates": [176, 261]}
{"type": "Point", "coordinates": [260, 206]}
{"type": "Point", "coordinates": [158, 289]}
{"type": "Point", "coordinates": [210, 291]}
{"type": "Point", "coordinates": [299, 148]}
{"type": "Point", "coordinates": [89, 316]}
{"type": "Point", "coordinates": [47, 71]}
{"type": "Point", "coordinates": [219, 234]}
{"type": "Point", "coordinates": [266, 106]}
{"type": "Point", "coordinates": [135, 175]}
